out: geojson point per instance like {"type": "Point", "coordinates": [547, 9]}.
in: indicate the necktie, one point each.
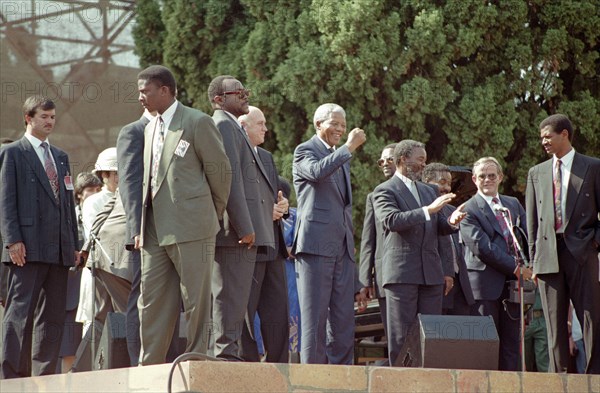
{"type": "Point", "coordinates": [50, 170]}
{"type": "Point", "coordinates": [157, 152]}
{"type": "Point", "coordinates": [557, 195]}
{"type": "Point", "coordinates": [454, 254]}
{"type": "Point", "coordinates": [413, 190]}
{"type": "Point", "coordinates": [503, 226]}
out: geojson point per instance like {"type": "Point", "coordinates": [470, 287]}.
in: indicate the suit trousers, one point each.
{"type": "Point", "coordinates": [404, 301]}
{"type": "Point", "coordinates": [326, 297]}
{"type": "Point", "coordinates": [459, 305]}
{"type": "Point", "coordinates": [132, 315]}
{"type": "Point", "coordinates": [34, 318]}
{"type": "Point", "coordinates": [507, 323]}
{"type": "Point", "coordinates": [112, 294]}
{"type": "Point", "coordinates": [171, 274]}
{"type": "Point", "coordinates": [268, 297]}
{"type": "Point", "coordinates": [579, 282]}
{"type": "Point", "coordinates": [231, 283]}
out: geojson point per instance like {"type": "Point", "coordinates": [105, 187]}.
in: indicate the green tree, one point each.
{"type": "Point", "coordinates": [469, 78]}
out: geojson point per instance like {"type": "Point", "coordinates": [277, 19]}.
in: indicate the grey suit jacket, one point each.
{"type": "Point", "coordinates": [371, 250]}
{"type": "Point", "coordinates": [250, 205]}
{"type": "Point", "coordinates": [581, 215]}
{"type": "Point", "coordinates": [193, 183]}
{"type": "Point", "coordinates": [486, 254]}
{"type": "Point", "coordinates": [411, 254]}
{"type": "Point", "coordinates": [324, 194]}
{"type": "Point", "coordinates": [130, 156]}
{"type": "Point", "coordinates": [29, 213]}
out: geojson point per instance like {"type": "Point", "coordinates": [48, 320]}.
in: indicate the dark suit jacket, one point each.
{"type": "Point", "coordinates": [411, 254]}
{"type": "Point", "coordinates": [280, 250]}
{"type": "Point", "coordinates": [371, 250]}
{"type": "Point", "coordinates": [581, 215]}
{"type": "Point", "coordinates": [130, 156]}
{"type": "Point", "coordinates": [463, 275]}
{"type": "Point", "coordinates": [250, 204]}
{"type": "Point", "coordinates": [322, 183]}
{"type": "Point", "coordinates": [487, 256]}
{"type": "Point", "coordinates": [29, 213]}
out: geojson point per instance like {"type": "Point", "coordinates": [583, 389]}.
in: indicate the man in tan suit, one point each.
{"type": "Point", "coordinates": [187, 178]}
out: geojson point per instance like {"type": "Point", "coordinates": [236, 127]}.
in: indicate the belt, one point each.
{"type": "Point", "coordinates": [560, 236]}
{"type": "Point", "coordinates": [538, 313]}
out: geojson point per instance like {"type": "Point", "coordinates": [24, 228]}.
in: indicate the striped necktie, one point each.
{"type": "Point", "coordinates": [50, 170]}
{"type": "Point", "coordinates": [557, 182]}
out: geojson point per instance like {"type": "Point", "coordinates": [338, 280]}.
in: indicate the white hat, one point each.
{"type": "Point", "coordinates": [107, 160]}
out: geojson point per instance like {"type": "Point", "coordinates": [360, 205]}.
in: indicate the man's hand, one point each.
{"type": "Point", "coordinates": [526, 271]}
{"type": "Point", "coordinates": [17, 253]}
{"type": "Point", "coordinates": [368, 292]}
{"type": "Point", "coordinates": [361, 301]}
{"type": "Point", "coordinates": [281, 207]}
{"type": "Point", "coordinates": [572, 347]}
{"type": "Point", "coordinates": [77, 258]}
{"type": "Point", "coordinates": [448, 284]}
{"type": "Point", "coordinates": [440, 202]}
{"type": "Point", "coordinates": [457, 215]}
{"type": "Point", "coordinates": [136, 242]}
{"type": "Point", "coordinates": [356, 137]}
{"type": "Point", "coordinates": [248, 239]}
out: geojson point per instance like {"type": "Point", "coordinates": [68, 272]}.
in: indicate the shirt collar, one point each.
{"type": "Point", "coordinates": [167, 115]}
{"type": "Point", "coordinates": [35, 142]}
{"type": "Point", "coordinates": [234, 119]}
{"type": "Point", "coordinates": [488, 199]}
{"type": "Point", "coordinates": [566, 160]}
{"type": "Point", "coordinates": [405, 179]}
{"type": "Point", "coordinates": [148, 115]}
{"type": "Point", "coordinates": [325, 143]}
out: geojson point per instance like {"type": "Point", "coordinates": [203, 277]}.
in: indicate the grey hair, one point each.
{"type": "Point", "coordinates": [325, 110]}
{"type": "Point", "coordinates": [404, 148]}
{"type": "Point", "coordinates": [487, 160]}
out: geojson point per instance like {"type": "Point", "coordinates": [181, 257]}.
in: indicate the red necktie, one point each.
{"type": "Point", "coordinates": [50, 170]}
{"type": "Point", "coordinates": [502, 222]}
{"type": "Point", "coordinates": [557, 195]}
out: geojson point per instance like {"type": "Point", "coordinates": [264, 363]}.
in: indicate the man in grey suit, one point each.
{"type": "Point", "coordinates": [371, 245]}
{"type": "Point", "coordinates": [186, 184]}
{"type": "Point", "coordinates": [268, 294]}
{"type": "Point", "coordinates": [563, 206]}
{"type": "Point", "coordinates": [130, 156]}
{"type": "Point", "coordinates": [460, 299]}
{"type": "Point", "coordinates": [324, 239]}
{"type": "Point", "coordinates": [247, 225]}
{"type": "Point", "coordinates": [490, 256]}
{"type": "Point", "coordinates": [39, 234]}
{"type": "Point", "coordinates": [413, 277]}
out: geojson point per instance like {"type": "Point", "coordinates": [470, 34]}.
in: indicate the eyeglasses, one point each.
{"type": "Point", "coordinates": [382, 161]}
{"type": "Point", "coordinates": [241, 93]}
{"type": "Point", "coordinates": [490, 176]}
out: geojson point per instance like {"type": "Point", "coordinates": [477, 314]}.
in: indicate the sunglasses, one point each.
{"type": "Point", "coordinates": [382, 161]}
{"type": "Point", "coordinates": [241, 93]}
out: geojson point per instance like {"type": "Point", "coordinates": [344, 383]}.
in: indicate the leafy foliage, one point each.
{"type": "Point", "coordinates": [469, 78]}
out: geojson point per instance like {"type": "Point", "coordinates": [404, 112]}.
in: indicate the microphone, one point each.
{"type": "Point", "coordinates": [497, 208]}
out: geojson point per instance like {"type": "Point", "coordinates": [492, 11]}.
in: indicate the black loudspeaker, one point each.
{"type": "Point", "coordinates": [83, 356]}
{"type": "Point", "coordinates": [451, 341]}
{"type": "Point", "coordinates": [112, 350]}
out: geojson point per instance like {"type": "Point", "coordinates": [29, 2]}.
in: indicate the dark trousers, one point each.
{"type": "Point", "coordinates": [578, 281]}
{"type": "Point", "coordinates": [34, 318]}
{"type": "Point", "coordinates": [132, 315]}
{"type": "Point", "coordinates": [326, 297]}
{"type": "Point", "coordinates": [506, 317]}
{"type": "Point", "coordinates": [404, 301]}
{"type": "Point", "coordinates": [458, 304]}
{"type": "Point", "coordinates": [268, 297]}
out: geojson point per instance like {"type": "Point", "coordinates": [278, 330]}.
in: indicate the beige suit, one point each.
{"type": "Point", "coordinates": [178, 231]}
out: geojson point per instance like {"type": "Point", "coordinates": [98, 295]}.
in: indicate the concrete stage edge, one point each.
{"type": "Point", "coordinates": [199, 376]}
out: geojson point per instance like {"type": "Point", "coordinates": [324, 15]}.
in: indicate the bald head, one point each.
{"type": "Point", "coordinates": [255, 125]}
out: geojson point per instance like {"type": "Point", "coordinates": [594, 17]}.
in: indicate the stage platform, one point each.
{"type": "Point", "coordinates": [196, 376]}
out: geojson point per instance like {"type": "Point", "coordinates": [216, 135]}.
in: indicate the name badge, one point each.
{"type": "Point", "coordinates": [69, 183]}
{"type": "Point", "coordinates": [182, 148]}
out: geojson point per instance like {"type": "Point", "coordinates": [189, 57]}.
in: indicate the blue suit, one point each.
{"type": "Point", "coordinates": [490, 266]}
{"type": "Point", "coordinates": [29, 213]}
{"type": "Point", "coordinates": [324, 249]}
